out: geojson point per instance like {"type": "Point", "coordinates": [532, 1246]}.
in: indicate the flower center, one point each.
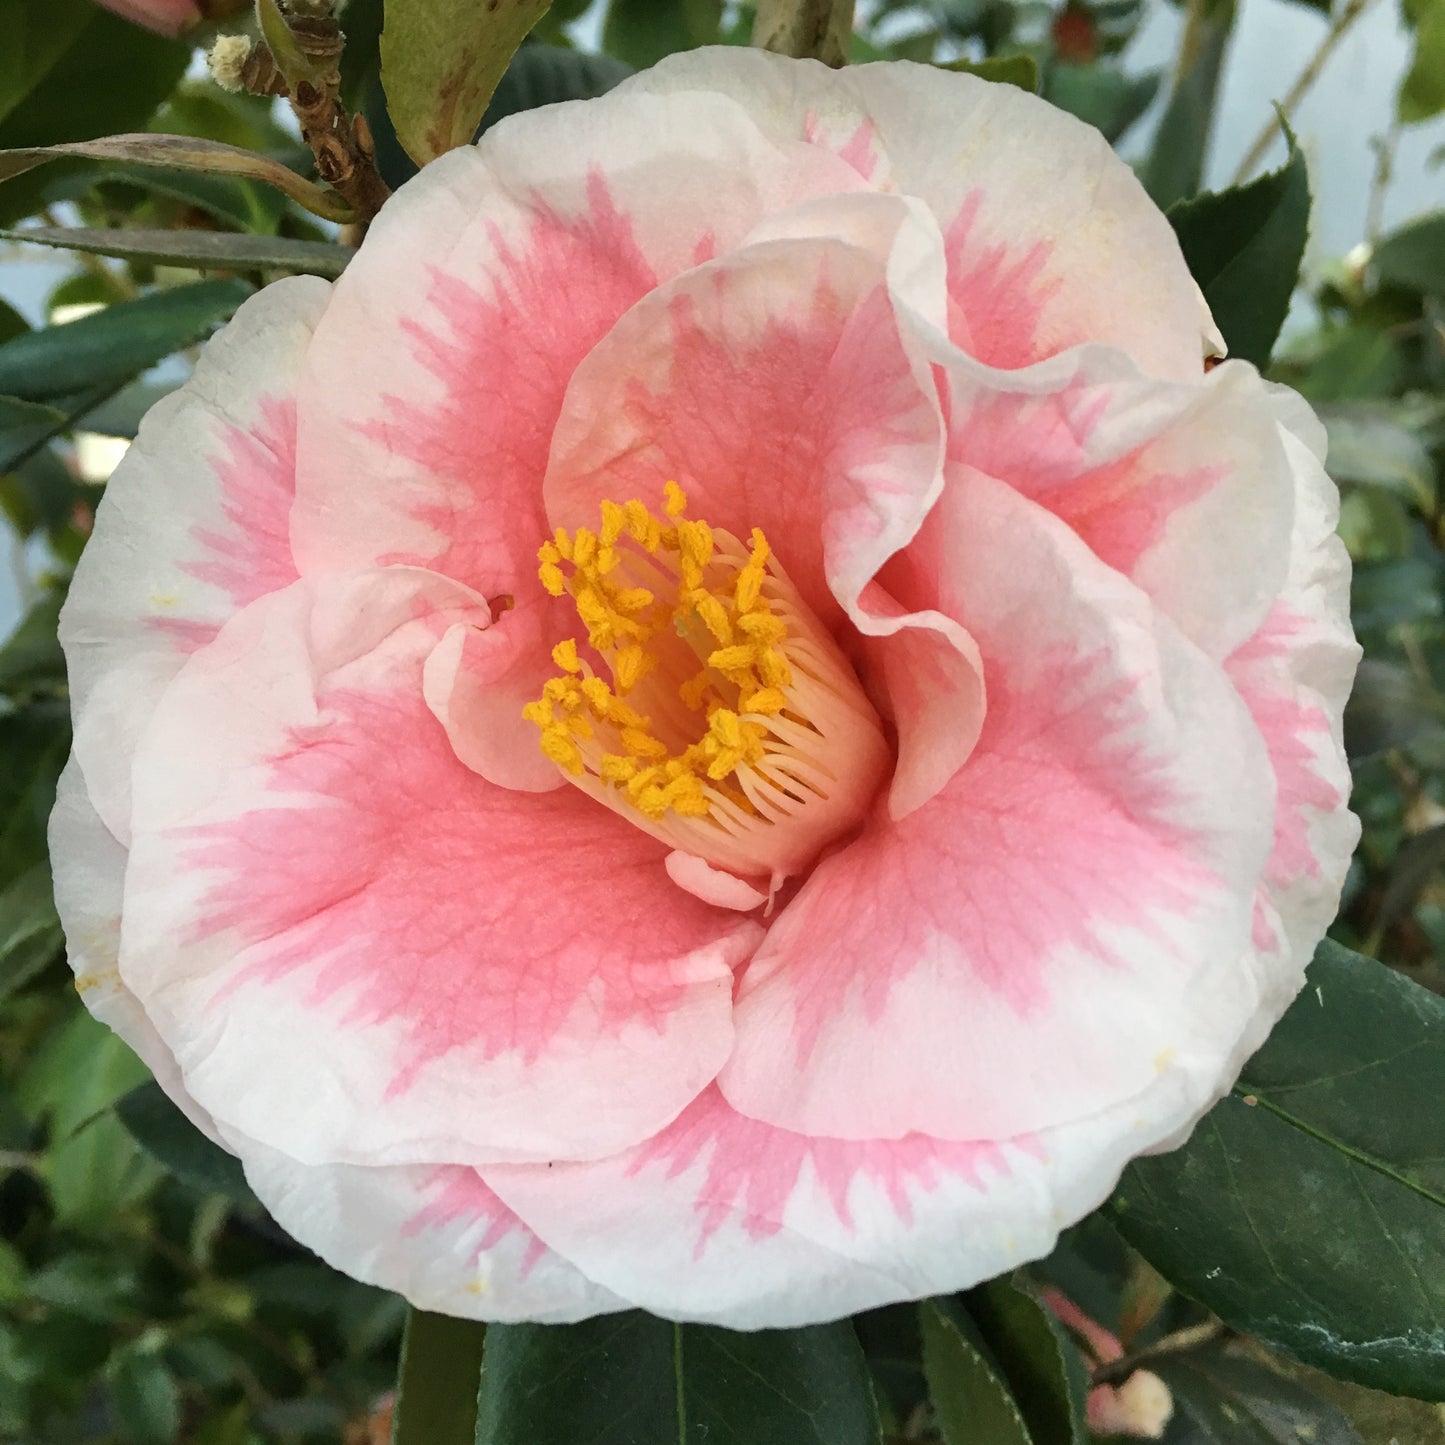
{"type": "Point", "coordinates": [733, 727]}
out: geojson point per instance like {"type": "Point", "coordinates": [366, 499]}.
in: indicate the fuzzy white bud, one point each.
{"type": "Point", "coordinates": [226, 59]}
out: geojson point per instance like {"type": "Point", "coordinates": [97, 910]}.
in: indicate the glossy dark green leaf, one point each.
{"type": "Point", "coordinates": [1244, 247]}
{"type": "Point", "coordinates": [641, 32]}
{"type": "Point", "coordinates": [164, 1132]}
{"type": "Point", "coordinates": [1019, 70]}
{"type": "Point", "coordinates": [1038, 1358]}
{"type": "Point", "coordinates": [1414, 256]}
{"type": "Point", "coordinates": [116, 343]}
{"type": "Point", "coordinates": [1225, 1399]}
{"type": "Point", "coordinates": [29, 928]}
{"type": "Point", "coordinates": [1175, 164]}
{"type": "Point", "coordinates": [24, 426]}
{"type": "Point", "coordinates": [37, 35]}
{"type": "Point", "coordinates": [974, 1407]}
{"type": "Point", "coordinates": [201, 250]}
{"type": "Point", "coordinates": [111, 78]}
{"type": "Point", "coordinates": [1314, 1216]}
{"type": "Point", "coordinates": [436, 1385]}
{"type": "Point", "coordinates": [631, 1379]}
{"type": "Point", "coordinates": [30, 658]}
{"type": "Point", "coordinates": [1391, 706]}
{"type": "Point", "coordinates": [545, 74]}
{"type": "Point", "coordinates": [34, 742]}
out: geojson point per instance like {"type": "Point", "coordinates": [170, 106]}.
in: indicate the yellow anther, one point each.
{"type": "Point", "coordinates": [732, 659]}
{"type": "Point", "coordinates": [769, 701]}
{"type": "Point", "coordinates": [715, 608]}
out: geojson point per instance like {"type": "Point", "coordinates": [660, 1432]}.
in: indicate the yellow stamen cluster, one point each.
{"type": "Point", "coordinates": [717, 607]}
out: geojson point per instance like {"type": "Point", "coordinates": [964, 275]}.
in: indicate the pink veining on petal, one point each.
{"type": "Point", "coordinates": [753, 1168]}
{"type": "Point", "coordinates": [996, 293]}
{"type": "Point", "coordinates": [1058, 828]}
{"type": "Point", "coordinates": [416, 891]}
{"type": "Point", "coordinates": [859, 150]}
{"type": "Point", "coordinates": [1288, 724]}
{"type": "Point", "coordinates": [459, 1195]}
{"type": "Point", "coordinates": [1039, 445]}
{"type": "Point", "coordinates": [506, 358]}
{"type": "Point", "coordinates": [255, 469]}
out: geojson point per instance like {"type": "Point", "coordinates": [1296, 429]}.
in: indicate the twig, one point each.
{"type": "Point", "coordinates": [1384, 170]}
{"type": "Point", "coordinates": [1307, 77]}
{"type": "Point", "coordinates": [806, 29]}
{"type": "Point", "coordinates": [1115, 1371]}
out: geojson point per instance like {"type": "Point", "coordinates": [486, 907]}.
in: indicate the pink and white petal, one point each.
{"type": "Point", "coordinates": [477, 681]}
{"type": "Point", "coordinates": [730, 1221]}
{"type": "Point", "coordinates": [435, 1234]}
{"type": "Point", "coordinates": [360, 951]}
{"type": "Point", "coordinates": [1051, 240]}
{"type": "Point", "coordinates": [481, 288]}
{"type": "Point", "coordinates": [1035, 932]}
{"type": "Point", "coordinates": [1294, 674]}
{"type": "Point", "coordinates": [1167, 484]}
{"type": "Point", "coordinates": [89, 884]}
{"type": "Point", "coordinates": [782, 386]}
{"type": "Point", "coordinates": [193, 525]}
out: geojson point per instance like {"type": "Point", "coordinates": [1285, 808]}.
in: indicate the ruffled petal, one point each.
{"type": "Point", "coordinates": [1051, 240]}
{"type": "Point", "coordinates": [193, 525]}
{"type": "Point", "coordinates": [358, 950]}
{"type": "Point", "coordinates": [481, 288]}
{"type": "Point", "coordinates": [436, 1234]}
{"type": "Point", "coordinates": [782, 386]}
{"type": "Point", "coordinates": [1029, 947]}
{"type": "Point", "coordinates": [1170, 485]}
{"type": "Point", "coordinates": [89, 885]}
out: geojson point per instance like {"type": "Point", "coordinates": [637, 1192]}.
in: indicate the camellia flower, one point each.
{"type": "Point", "coordinates": [730, 722]}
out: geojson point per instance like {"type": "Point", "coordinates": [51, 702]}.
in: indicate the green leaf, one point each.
{"type": "Point", "coordinates": [1019, 70]}
{"type": "Point", "coordinates": [201, 250]}
{"type": "Point", "coordinates": [436, 1388]}
{"type": "Point", "coordinates": [111, 78]}
{"type": "Point", "coordinates": [441, 61]}
{"type": "Point", "coordinates": [1223, 1399]}
{"type": "Point", "coordinates": [37, 34]}
{"type": "Point", "coordinates": [641, 32]}
{"type": "Point", "coordinates": [116, 343]}
{"type": "Point", "coordinates": [1422, 91]}
{"type": "Point", "coordinates": [545, 74]}
{"type": "Point", "coordinates": [1369, 444]}
{"type": "Point", "coordinates": [973, 1405]}
{"type": "Point", "coordinates": [1414, 256]}
{"type": "Point", "coordinates": [1039, 1360]}
{"type": "Point", "coordinates": [1314, 1217]}
{"type": "Point", "coordinates": [24, 426]}
{"type": "Point", "coordinates": [30, 933]}
{"type": "Point", "coordinates": [34, 742]}
{"type": "Point", "coordinates": [164, 1132]}
{"type": "Point", "coordinates": [1418, 859]}
{"type": "Point", "coordinates": [630, 1379]}
{"type": "Point", "coordinates": [1102, 95]}
{"type": "Point", "coordinates": [144, 1396]}
{"type": "Point", "coordinates": [31, 659]}
{"type": "Point", "coordinates": [173, 153]}
{"type": "Point", "coordinates": [1175, 162]}
{"type": "Point", "coordinates": [1390, 707]}
{"type": "Point", "coordinates": [1244, 247]}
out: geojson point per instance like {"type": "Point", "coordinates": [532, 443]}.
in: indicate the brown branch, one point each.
{"type": "Point", "coordinates": [806, 29]}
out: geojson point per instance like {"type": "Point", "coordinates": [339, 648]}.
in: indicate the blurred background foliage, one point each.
{"type": "Point", "coordinates": [145, 1297]}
